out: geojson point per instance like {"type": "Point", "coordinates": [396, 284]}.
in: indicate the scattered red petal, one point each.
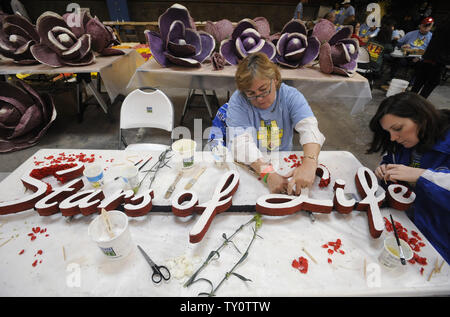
{"type": "Point", "coordinates": [301, 264]}
{"type": "Point", "coordinates": [21, 252]}
{"type": "Point", "coordinates": [330, 261]}
{"type": "Point", "coordinates": [35, 263]}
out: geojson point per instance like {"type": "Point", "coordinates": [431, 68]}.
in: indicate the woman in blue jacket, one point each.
{"type": "Point", "coordinates": [415, 137]}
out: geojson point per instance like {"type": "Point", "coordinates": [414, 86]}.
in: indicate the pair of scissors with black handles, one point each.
{"type": "Point", "coordinates": [160, 272]}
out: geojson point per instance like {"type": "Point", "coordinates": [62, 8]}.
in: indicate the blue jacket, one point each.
{"type": "Point", "coordinates": [431, 209]}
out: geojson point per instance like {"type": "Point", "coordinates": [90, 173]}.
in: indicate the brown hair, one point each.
{"type": "Point", "coordinates": [256, 65]}
{"type": "Point", "coordinates": [432, 123]}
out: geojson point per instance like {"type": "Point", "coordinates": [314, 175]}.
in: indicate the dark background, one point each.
{"type": "Point", "coordinates": [278, 13]}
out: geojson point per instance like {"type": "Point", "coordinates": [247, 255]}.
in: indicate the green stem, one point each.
{"type": "Point", "coordinates": [236, 264]}
{"type": "Point", "coordinates": [208, 260]}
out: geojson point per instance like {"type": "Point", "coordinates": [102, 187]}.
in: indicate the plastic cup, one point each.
{"type": "Point", "coordinates": [130, 175]}
{"type": "Point", "coordinates": [185, 149]}
{"type": "Point", "coordinates": [219, 153]}
{"type": "Point", "coordinates": [390, 256]}
{"type": "Point", "coordinates": [113, 247]}
{"type": "Point", "coordinates": [94, 174]}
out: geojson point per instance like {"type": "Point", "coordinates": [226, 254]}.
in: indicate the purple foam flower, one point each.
{"type": "Point", "coordinates": [102, 36]}
{"type": "Point", "coordinates": [178, 42]}
{"type": "Point", "coordinates": [59, 46]}
{"type": "Point", "coordinates": [220, 30]}
{"type": "Point", "coordinates": [324, 30]}
{"type": "Point", "coordinates": [339, 55]}
{"type": "Point", "coordinates": [25, 116]}
{"type": "Point", "coordinates": [294, 47]}
{"type": "Point", "coordinates": [17, 36]}
{"type": "Point", "coordinates": [245, 40]}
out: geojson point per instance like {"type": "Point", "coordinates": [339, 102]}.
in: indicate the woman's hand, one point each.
{"type": "Point", "coordinates": [277, 183]}
{"type": "Point", "coordinates": [303, 176]}
{"type": "Point", "coordinates": [380, 172]}
{"type": "Point", "coordinates": [399, 172]}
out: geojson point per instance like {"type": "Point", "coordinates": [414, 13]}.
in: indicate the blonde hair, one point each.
{"type": "Point", "coordinates": [256, 65]}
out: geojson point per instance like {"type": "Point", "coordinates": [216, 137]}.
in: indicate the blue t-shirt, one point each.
{"type": "Point", "coordinates": [345, 14]}
{"type": "Point", "coordinates": [337, 15]}
{"type": "Point", "coordinates": [416, 39]}
{"type": "Point", "coordinates": [364, 30]}
{"type": "Point", "coordinates": [271, 128]}
{"type": "Point", "coordinates": [299, 9]}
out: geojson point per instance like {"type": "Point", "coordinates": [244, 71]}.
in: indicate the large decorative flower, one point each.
{"type": "Point", "coordinates": [220, 30]}
{"type": "Point", "coordinates": [339, 55]}
{"type": "Point", "coordinates": [178, 42]}
{"type": "Point", "coordinates": [59, 46]}
{"type": "Point", "coordinates": [102, 36]}
{"type": "Point", "coordinates": [294, 47]}
{"type": "Point", "coordinates": [324, 30]}
{"type": "Point", "coordinates": [17, 35]}
{"type": "Point", "coordinates": [245, 40]}
{"type": "Point", "coordinates": [24, 116]}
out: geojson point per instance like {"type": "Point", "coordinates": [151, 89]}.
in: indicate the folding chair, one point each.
{"type": "Point", "coordinates": [364, 65]}
{"type": "Point", "coordinates": [372, 68]}
{"type": "Point", "coordinates": [142, 109]}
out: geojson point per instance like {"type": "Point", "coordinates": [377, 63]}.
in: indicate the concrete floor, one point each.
{"type": "Point", "coordinates": [342, 130]}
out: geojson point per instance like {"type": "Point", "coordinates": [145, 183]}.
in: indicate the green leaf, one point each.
{"type": "Point", "coordinates": [211, 254]}
{"type": "Point", "coordinates": [242, 258]}
{"type": "Point", "coordinates": [242, 277]}
{"type": "Point", "coordinates": [204, 280]}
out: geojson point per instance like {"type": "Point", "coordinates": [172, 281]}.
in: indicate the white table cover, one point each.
{"type": "Point", "coordinates": [82, 270]}
{"type": "Point", "coordinates": [352, 92]}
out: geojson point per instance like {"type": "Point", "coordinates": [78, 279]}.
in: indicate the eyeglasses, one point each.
{"type": "Point", "coordinates": [262, 95]}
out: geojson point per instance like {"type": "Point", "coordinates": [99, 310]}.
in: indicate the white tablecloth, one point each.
{"type": "Point", "coordinates": [115, 71]}
{"type": "Point", "coordinates": [82, 270]}
{"type": "Point", "coordinates": [316, 86]}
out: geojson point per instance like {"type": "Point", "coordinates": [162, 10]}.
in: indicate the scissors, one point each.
{"type": "Point", "coordinates": [159, 272]}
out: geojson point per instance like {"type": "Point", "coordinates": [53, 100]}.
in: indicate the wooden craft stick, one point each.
{"type": "Point", "coordinates": [107, 222]}
{"type": "Point", "coordinates": [431, 274]}
{"type": "Point", "coordinates": [440, 267]}
{"type": "Point", "coordinates": [310, 256]}
{"type": "Point", "coordinates": [365, 267]}
{"type": "Point", "coordinates": [6, 242]}
{"type": "Point", "coordinates": [436, 269]}
{"type": "Point", "coordinates": [64, 253]}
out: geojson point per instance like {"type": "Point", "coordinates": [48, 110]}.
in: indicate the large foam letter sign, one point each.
{"type": "Point", "coordinates": [341, 203]}
{"type": "Point", "coordinates": [280, 205]}
{"type": "Point", "coordinates": [400, 197]}
{"type": "Point", "coordinates": [186, 202]}
{"type": "Point", "coordinates": [367, 185]}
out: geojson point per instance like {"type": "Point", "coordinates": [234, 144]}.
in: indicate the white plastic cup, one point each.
{"type": "Point", "coordinates": [185, 149]}
{"type": "Point", "coordinates": [219, 153]}
{"type": "Point", "coordinates": [94, 174]}
{"type": "Point", "coordinates": [130, 175]}
{"type": "Point", "coordinates": [390, 256]}
{"type": "Point", "coordinates": [118, 246]}
{"type": "Point", "coordinates": [397, 86]}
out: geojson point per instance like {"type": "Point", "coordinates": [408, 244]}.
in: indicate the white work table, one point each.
{"type": "Point", "coordinates": [73, 265]}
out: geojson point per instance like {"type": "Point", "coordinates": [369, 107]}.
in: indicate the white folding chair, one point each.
{"type": "Point", "coordinates": [142, 109]}
{"type": "Point", "coordinates": [364, 65]}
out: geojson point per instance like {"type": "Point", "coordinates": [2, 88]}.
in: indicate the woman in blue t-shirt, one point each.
{"type": "Point", "coordinates": [262, 116]}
